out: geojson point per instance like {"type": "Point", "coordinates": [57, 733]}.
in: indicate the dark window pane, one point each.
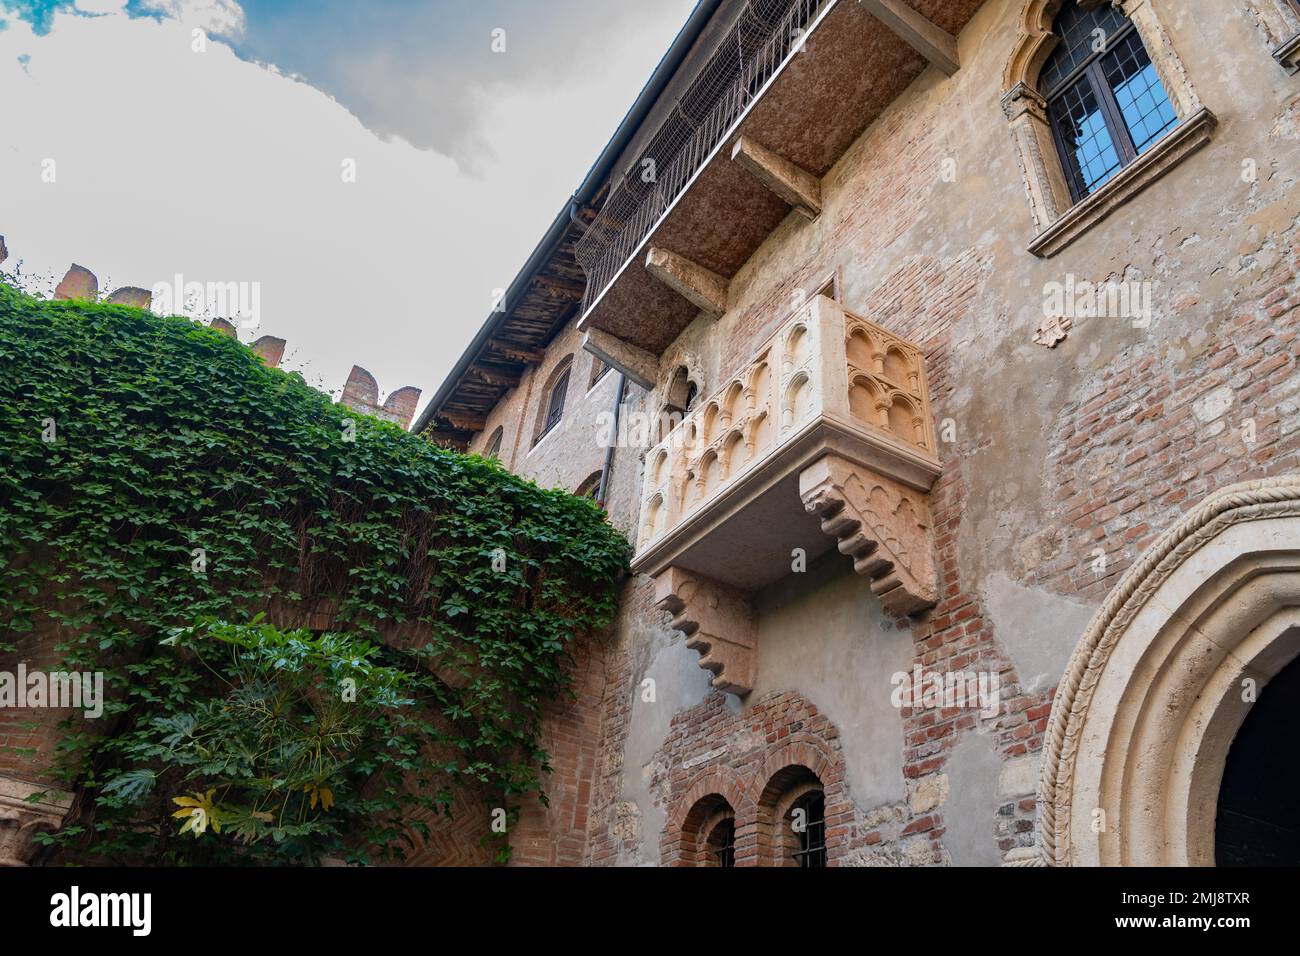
{"type": "Point", "coordinates": [812, 841]}
{"type": "Point", "coordinates": [1141, 96]}
{"type": "Point", "coordinates": [556, 409]}
{"type": "Point", "coordinates": [1091, 156]}
{"type": "Point", "coordinates": [722, 842]}
{"type": "Point", "coordinates": [1078, 30]}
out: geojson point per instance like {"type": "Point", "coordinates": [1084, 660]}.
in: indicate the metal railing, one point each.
{"type": "Point", "coordinates": [765, 33]}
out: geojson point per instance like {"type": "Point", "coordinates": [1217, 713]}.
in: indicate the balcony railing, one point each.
{"type": "Point", "coordinates": [764, 35]}
{"type": "Point", "coordinates": [825, 366]}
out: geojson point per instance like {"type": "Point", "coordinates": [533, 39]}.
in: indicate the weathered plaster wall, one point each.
{"type": "Point", "coordinates": [823, 634]}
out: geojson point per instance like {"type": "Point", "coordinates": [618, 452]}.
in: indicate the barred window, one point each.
{"type": "Point", "coordinates": [808, 818]}
{"type": "Point", "coordinates": [722, 842]}
{"type": "Point", "coordinates": [1105, 102]}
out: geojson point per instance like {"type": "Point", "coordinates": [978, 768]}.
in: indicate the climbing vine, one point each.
{"type": "Point", "coordinates": [165, 498]}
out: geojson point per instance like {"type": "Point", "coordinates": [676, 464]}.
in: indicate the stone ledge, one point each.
{"type": "Point", "coordinates": [1191, 134]}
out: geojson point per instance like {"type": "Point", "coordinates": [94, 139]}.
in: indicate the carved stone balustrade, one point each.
{"type": "Point", "coordinates": [824, 439]}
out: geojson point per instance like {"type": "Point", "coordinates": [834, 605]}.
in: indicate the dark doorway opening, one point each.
{"type": "Point", "coordinates": [1258, 820]}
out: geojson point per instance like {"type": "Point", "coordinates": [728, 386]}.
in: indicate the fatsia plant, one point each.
{"type": "Point", "coordinates": [287, 742]}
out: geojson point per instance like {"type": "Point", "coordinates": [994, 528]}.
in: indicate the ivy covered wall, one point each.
{"type": "Point", "coordinates": [159, 483]}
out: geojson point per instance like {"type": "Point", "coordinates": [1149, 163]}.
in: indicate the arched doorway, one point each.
{"type": "Point", "coordinates": [1258, 819]}
{"type": "Point", "coordinates": [1171, 666]}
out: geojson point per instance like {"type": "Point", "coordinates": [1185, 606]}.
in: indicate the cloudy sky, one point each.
{"type": "Point", "coordinates": [141, 149]}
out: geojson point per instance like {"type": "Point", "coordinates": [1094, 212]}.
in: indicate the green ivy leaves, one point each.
{"type": "Point", "coordinates": [172, 442]}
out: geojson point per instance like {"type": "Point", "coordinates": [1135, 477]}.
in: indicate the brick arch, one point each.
{"type": "Point", "coordinates": [685, 829]}
{"type": "Point", "coordinates": [803, 763]}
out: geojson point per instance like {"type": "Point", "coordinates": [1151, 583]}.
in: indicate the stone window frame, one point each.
{"type": "Point", "coordinates": [1057, 219]}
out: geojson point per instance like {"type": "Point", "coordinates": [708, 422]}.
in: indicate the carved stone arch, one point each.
{"type": "Point", "coordinates": [1034, 42]}
{"type": "Point", "coordinates": [679, 373]}
{"type": "Point", "coordinates": [758, 430]}
{"type": "Point", "coordinates": [1151, 699]}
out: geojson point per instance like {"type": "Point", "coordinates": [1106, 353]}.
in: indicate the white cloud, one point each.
{"type": "Point", "coordinates": [219, 17]}
{"type": "Point", "coordinates": [170, 161]}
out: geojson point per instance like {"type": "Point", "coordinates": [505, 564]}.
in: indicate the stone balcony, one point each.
{"type": "Point", "coordinates": [824, 439]}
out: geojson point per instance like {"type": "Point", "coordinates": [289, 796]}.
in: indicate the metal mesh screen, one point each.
{"type": "Point", "coordinates": [762, 37]}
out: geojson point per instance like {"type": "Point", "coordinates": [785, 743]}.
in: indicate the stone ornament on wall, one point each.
{"type": "Point", "coordinates": [1151, 699]}
{"type": "Point", "coordinates": [1052, 331]}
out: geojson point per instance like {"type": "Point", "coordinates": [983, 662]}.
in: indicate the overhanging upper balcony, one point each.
{"type": "Point", "coordinates": [825, 438]}
{"type": "Point", "coordinates": [790, 88]}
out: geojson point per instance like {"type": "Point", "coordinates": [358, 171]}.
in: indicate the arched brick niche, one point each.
{"type": "Point", "coordinates": [715, 795]}
{"type": "Point", "coordinates": [790, 774]}
{"type": "Point", "coordinates": [1154, 693]}
{"type": "Point", "coordinates": [759, 787]}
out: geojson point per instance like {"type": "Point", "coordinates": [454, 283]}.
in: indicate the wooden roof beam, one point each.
{"type": "Point", "coordinates": [932, 42]}
{"type": "Point", "coordinates": [463, 422]}
{"type": "Point", "coordinates": [518, 353]}
{"type": "Point", "coordinates": [560, 288]}
{"type": "Point", "coordinates": [496, 379]}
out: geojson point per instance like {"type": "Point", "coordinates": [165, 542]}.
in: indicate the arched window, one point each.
{"type": "Point", "coordinates": [493, 449]}
{"type": "Point", "coordinates": [556, 393]}
{"type": "Point", "coordinates": [792, 819]}
{"type": "Point", "coordinates": [681, 391]}
{"type": "Point", "coordinates": [1105, 102]}
{"type": "Point", "coordinates": [708, 834]}
{"type": "Point", "coordinates": [589, 487]}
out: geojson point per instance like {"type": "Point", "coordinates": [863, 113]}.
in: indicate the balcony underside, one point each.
{"type": "Point", "coordinates": [745, 536]}
{"type": "Point", "coordinates": [813, 109]}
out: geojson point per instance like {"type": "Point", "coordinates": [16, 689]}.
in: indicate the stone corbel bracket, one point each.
{"type": "Point", "coordinates": [883, 525]}
{"type": "Point", "coordinates": [718, 621]}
